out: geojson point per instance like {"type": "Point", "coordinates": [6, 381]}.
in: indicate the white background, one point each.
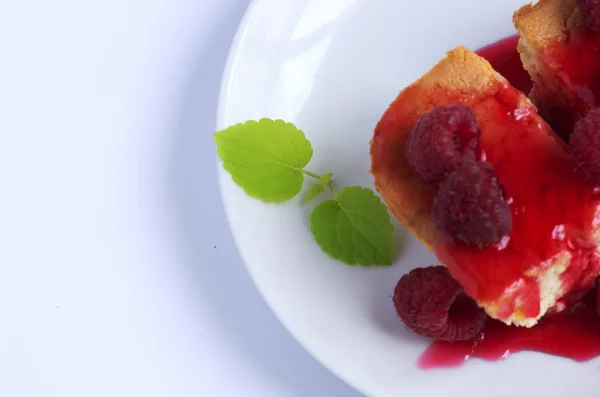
{"type": "Point", "coordinates": [118, 275]}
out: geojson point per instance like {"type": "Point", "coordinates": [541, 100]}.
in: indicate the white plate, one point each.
{"type": "Point", "coordinates": [332, 67]}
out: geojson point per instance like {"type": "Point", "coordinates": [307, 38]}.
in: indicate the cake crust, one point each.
{"type": "Point", "coordinates": [546, 21]}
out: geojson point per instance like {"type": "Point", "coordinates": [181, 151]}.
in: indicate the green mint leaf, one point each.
{"type": "Point", "coordinates": [355, 228]}
{"type": "Point", "coordinates": [265, 157]}
{"type": "Point", "coordinates": [324, 180]}
{"type": "Point", "coordinates": [314, 191]}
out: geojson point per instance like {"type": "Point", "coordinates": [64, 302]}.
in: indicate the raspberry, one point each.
{"type": "Point", "coordinates": [470, 206]}
{"type": "Point", "coordinates": [433, 304]}
{"type": "Point", "coordinates": [585, 146]}
{"type": "Point", "coordinates": [590, 10]}
{"type": "Point", "coordinates": [441, 140]}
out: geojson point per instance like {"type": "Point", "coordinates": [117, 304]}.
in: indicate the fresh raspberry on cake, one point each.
{"type": "Point", "coordinates": [584, 143]}
{"type": "Point", "coordinates": [442, 140]}
{"type": "Point", "coordinates": [590, 12]}
{"type": "Point", "coordinates": [470, 205]}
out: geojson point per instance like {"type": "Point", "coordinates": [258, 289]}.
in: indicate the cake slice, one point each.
{"type": "Point", "coordinates": [552, 248]}
{"type": "Point", "coordinates": [563, 59]}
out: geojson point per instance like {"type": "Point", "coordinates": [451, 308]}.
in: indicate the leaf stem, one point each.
{"type": "Point", "coordinates": [332, 188]}
{"type": "Point", "coordinates": [311, 174]}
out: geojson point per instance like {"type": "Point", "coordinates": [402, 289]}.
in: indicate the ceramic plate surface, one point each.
{"type": "Point", "coordinates": [332, 67]}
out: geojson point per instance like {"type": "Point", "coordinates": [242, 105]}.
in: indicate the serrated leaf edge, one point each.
{"type": "Point", "coordinates": [387, 223]}
{"type": "Point", "coordinates": [227, 166]}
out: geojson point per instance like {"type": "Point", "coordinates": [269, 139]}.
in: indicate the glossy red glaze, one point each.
{"type": "Point", "coordinates": [553, 211]}
{"type": "Point", "coordinates": [570, 85]}
{"type": "Point", "coordinates": [505, 59]}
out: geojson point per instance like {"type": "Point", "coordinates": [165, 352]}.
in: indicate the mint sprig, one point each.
{"type": "Point", "coordinates": [267, 158]}
{"type": "Point", "coordinates": [319, 187]}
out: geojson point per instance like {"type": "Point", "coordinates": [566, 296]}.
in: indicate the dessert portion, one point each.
{"type": "Point", "coordinates": [559, 46]}
{"type": "Point", "coordinates": [464, 160]}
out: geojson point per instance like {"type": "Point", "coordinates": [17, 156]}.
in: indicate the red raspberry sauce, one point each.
{"type": "Point", "coordinates": [570, 85]}
{"type": "Point", "coordinates": [552, 212]}
{"type": "Point", "coordinates": [505, 60]}
{"type": "Point", "coordinates": [574, 335]}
